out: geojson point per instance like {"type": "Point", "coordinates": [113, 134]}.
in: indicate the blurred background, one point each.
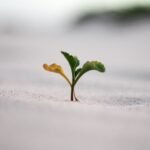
{"type": "Point", "coordinates": [115, 32]}
{"type": "Point", "coordinates": [33, 32]}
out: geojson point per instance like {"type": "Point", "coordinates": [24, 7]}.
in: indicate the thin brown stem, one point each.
{"type": "Point", "coordinates": [72, 93]}
{"type": "Point", "coordinates": [75, 96]}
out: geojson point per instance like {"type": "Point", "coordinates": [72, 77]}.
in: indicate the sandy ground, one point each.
{"type": "Point", "coordinates": [32, 118]}
{"type": "Point", "coordinates": [113, 112]}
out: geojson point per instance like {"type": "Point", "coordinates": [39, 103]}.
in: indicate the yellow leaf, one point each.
{"type": "Point", "coordinates": [53, 68]}
{"type": "Point", "coordinates": [56, 69]}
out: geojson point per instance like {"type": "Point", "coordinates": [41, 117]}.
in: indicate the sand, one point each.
{"type": "Point", "coordinates": [113, 112]}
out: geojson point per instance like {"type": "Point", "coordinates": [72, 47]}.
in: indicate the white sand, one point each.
{"type": "Point", "coordinates": [36, 120]}
{"type": "Point", "coordinates": [113, 112]}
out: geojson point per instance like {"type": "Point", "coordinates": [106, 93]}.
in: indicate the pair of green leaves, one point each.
{"type": "Point", "coordinates": [78, 72]}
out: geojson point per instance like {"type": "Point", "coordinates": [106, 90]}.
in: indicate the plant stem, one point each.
{"type": "Point", "coordinates": [66, 78]}
{"type": "Point", "coordinates": [75, 96]}
{"type": "Point", "coordinates": [72, 93]}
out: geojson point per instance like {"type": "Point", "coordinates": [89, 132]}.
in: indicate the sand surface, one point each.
{"type": "Point", "coordinates": [114, 108]}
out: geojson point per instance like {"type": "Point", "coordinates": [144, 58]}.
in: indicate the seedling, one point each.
{"type": "Point", "coordinates": [77, 72]}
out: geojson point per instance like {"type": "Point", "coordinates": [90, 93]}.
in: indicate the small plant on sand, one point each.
{"type": "Point", "coordinates": [77, 72]}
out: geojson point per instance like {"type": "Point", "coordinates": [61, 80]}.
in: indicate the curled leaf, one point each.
{"type": "Point", "coordinates": [53, 68]}
{"type": "Point", "coordinates": [56, 69]}
{"type": "Point", "coordinates": [90, 65]}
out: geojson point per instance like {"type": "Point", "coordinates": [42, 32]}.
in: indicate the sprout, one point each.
{"type": "Point", "coordinates": [76, 71]}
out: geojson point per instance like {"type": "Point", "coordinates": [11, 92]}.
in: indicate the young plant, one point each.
{"type": "Point", "coordinates": [77, 72]}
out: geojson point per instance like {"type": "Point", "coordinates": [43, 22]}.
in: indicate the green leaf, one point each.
{"type": "Point", "coordinates": [73, 62]}
{"type": "Point", "coordinates": [90, 65]}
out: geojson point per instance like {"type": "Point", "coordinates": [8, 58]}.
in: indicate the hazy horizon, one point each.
{"type": "Point", "coordinates": [41, 13]}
